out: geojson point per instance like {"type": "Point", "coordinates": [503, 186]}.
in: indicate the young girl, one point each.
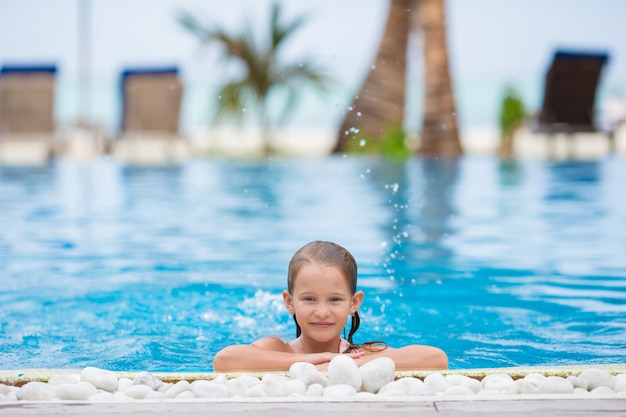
{"type": "Point", "coordinates": [321, 295]}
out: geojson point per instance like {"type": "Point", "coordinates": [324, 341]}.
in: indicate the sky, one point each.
{"type": "Point", "coordinates": [492, 43]}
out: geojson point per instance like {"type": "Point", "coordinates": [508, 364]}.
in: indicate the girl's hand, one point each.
{"type": "Point", "coordinates": [321, 360]}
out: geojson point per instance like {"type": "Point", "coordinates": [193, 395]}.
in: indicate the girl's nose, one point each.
{"type": "Point", "coordinates": [322, 310]}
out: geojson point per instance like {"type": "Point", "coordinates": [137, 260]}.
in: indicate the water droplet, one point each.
{"type": "Point", "coordinates": [350, 108]}
{"type": "Point", "coordinates": [383, 244]}
{"type": "Point", "coordinates": [359, 114]}
{"type": "Point", "coordinates": [362, 142]}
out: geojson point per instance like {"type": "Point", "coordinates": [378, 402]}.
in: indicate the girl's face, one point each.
{"type": "Point", "coordinates": [322, 302]}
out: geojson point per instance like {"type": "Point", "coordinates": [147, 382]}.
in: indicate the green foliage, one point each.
{"type": "Point", "coordinates": [512, 113]}
{"type": "Point", "coordinates": [391, 143]}
{"type": "Point", "coordinates": [265, 74]}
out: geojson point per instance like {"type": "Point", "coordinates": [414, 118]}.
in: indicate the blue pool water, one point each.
{"type": "Point", "coordinates": [129, 268]}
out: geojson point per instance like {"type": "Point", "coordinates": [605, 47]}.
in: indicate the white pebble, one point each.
{"type": "Point", "coordinates": [497, 382]}
{"type": "Point", "coordinates": [459, 390]}
{"type": "Point", "coordinates": [343, 370]}
{"type": "Point", "coordinates": [556, 385]}
{"type": "Point", "coordinates": [376, 373]}
{"type": "Point", "coordinates": [185, 395]}
{"type": "Point", "coordinates": [524, 386]}
{"type": "Point", "coordinates": [620, 385]}
{"type": "Point", "coordinates": [597, 378]}
{"type": "Point", "coordinates": [101, 396]}
{"type": "Point", "coordinates": [4, 389]}
{"type": "Point", "coordinates": [100, 378]}
{"type": "Point", "coordinates": [72, 392]}
{"type": "Point", "coordinates": [179, 387]}
{"type": "Point", "coordinates": [601, 390]}
{"type": "Point", "coordinates": [240, 385]}
{"type": "Point", "coordinates": [307, 373]}
{"type": "Point", "coordinates": [146, 378]}
{"type": "Point", "coordinates": [339, 391]}
{"type": "Point", "coordinates": [35, 391]}
{"type": "Point", "coordinates": [364, 396]}
{"type": "Point", "coordinates": [63, 379]}
{"type": "Point", "coordinates": [436, 382]}
{"type": "Point", "coordinates": [578, 382]}
{"type": "Point", "coordinates": [165, 387]}
{"type": "Point", "coordinates": [276, 382]}
{"type": "Point", "coordinates": [391, 392]}
{"type": "Point", "coordinates": [209, 389]}
{"type": "Point", "coordinates": [154, 395]}
{"type": "Point", "coordinates": [294, 386]}
{"type": "Point", "coordinates": [260, 391]}
{"type": "Point", "coordinates": [124, 383]}
{"type": "Point", "coordinates": [138, 392]}
{"type": "Point", "coordinates": [465, 381]}
{"type": "Point", "coordinates": [315, 390]}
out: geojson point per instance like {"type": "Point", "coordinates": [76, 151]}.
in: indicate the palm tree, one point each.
{"type": "Point", "coordinates": [264, 75]}
{"type": "Point", "coordinates": [379, 106]}
{"type": "Point", "coordinates": [440, 133]}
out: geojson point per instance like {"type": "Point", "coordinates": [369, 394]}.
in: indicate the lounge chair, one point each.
{"type": "Point", "coordinates": [570, 92]}
{"type": "Point", "coordinates": [151, 103]}
{"type": "Point", "coordinates": [27, 113]}
{"type": "Point", "coordinates": [566, 124]}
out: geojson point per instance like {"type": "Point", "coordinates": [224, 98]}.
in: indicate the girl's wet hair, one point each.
{"type": "Point", "coordinates": [328, 254]}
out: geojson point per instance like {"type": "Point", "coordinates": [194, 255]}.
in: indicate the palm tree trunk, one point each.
{"type": "Point", "coordinates": [380, 102]}
{"type": "Point", "coordinates": [440, 133]}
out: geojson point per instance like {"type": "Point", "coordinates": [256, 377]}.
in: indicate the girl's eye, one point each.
{"type": "Point", "coordinates": [309, 299]}
{"type": "Point", "coordinates": [335, 300]}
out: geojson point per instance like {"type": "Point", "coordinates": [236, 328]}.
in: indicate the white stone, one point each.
{"type": "Point", "coordinates": [146, 378]}
{"type": "Point", "coordinates": [465, 381]}
{"type": "Point", "coordinates": [4, 389]}
{"type": "Point", "coordinates": [409, 386]}
{"type": "Point", "coordinates": [154, 395]}
{"type": "Point", "coordinates": [601, 390]}
{"type": "Point", "coordinates": [101, 396]}
{"type": "Point", "coordinates": [377, 373]}
{"type": "Point", "coordinates": [100, 378]}
{"type": "Point", "coordinates": [209, 389]}
{"type": "Point", "coordinates": [578, 382]}
{"type": "Point", "coordinates": [436, 382]}
{"type": "Point", "coordinates": [459, 390]}
{"type": "Point", "coordinates": [315, 390]}
{"type": "Point", "coordinates": [364, 396]}
{"type": "Point", "coordinates": [165, 387]}
{"type": "Point", "coordinates": [490, 392]}
{"type": "Point", "coordinates": [185, 395]}
{"type": "Point", "coordinates": [138, 391]}
{"type": "Point", "coordinates": [260, 391]}
{"type": "Point", "coordinates": [620, 385]}
{"type": "Point", "coordinates": [294, 386]}
{"type": "Point", "coordinates": [124, 383]}
{"type": "Point", "coordinates": [556, 385]}
{"type": "Point", "coordinates": [597, 378]}
{"type": "Point", "coordinates": [581, 392]}
{"type": "Point", "coordinates": [74, 392]}
{"type": "Point", "coordinates": [3, 397]}
{"type": "Point", "coordinates": [179, 387]}
{"type": "Point", "coordinates": [220, 379]}
{"type": "Point", "coordinates": [342, 369]}
{"type": "Point", "coordinates": [88, 387]}
{"type": "Point", "coordinates": [391, 392]}
{"type": "Point", "coordinates": [497, 382]}
{"type": "Point", "coordinates": [241, 384]}
{"type": "Point", "coordinates": [538, 378]}
{"type": "Point", "coordinates": [275, 382]}
{"type": "Point", "coordinates": [63, 379]}
{"type": "Point", "coordinates": [339, 391]}
{"type": "Point", "coordinates": [35, 391]}
{"type": "Point", "coordinates": [307, 373]}
{"type": "Point", "coordinates": [524, 386]}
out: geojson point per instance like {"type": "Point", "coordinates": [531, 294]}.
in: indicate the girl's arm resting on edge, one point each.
{"type": "Point", "coordinates": [267, 354]}
{"type": "Point", "coordinates": [411, 357]}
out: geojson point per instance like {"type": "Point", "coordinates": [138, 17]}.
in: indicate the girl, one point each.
{"type": "Point", "coordinates": [321, 294]}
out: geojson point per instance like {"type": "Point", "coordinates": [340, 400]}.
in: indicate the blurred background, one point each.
{"type": "Point", "coordinates": [492, 45]}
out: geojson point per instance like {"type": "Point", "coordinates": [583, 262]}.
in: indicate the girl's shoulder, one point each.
{"type": "Point", "coordinates": [273, 343]}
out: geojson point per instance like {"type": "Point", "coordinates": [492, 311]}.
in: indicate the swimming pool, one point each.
{"type": "Point", "coordinates": [138, 268]}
